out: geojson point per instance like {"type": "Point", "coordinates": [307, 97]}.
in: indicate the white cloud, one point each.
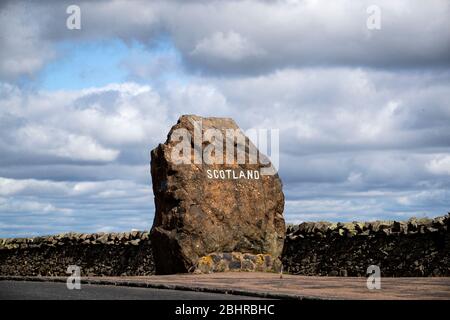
{"type": "Point", "coordinates": [197, 98]}
{"type": "Point", "coordinates": [424, 198]}
{"type": "Point", "coordinates": [228, 46]}
{"type": "Point", "coordinates": [85, 125]}
{"type": "Point", "coordinates": [127, 89]}
{"type": "Point", "coordinates": [439, 165]}
{"type": "Point", "coordinates": [9, 187]}
{"type": "Point", "coordinates": [39, 208]}
{"type": "Point", "coordinates": [48, 188]}
{"type": "Point", "coordinates": [57, 142]}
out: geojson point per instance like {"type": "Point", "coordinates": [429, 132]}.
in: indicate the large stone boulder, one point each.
{"type": "Point", "coordinates": [204, 209]}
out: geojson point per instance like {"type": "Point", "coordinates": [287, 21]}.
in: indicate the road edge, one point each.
{"type": "Point", "coordinates": [141, 284]}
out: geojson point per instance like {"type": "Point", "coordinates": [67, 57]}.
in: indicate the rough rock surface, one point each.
{"type": "Point", "coordinates": [417, 247]}
{"type": "Point", "coordinates": [196, 215]}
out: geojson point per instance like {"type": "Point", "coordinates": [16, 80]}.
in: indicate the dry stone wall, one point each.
{"type": "Point", "coordinates": [109, 254]}
{"type": "Point", "coordinates": [418, 247]}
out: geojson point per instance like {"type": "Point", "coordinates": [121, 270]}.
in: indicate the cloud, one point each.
{"type": "Point", "coordinates": [10, 187]}
{"type": "Point", "coordinates": [59, 143]}
{"type": "Point", "coordinates": [343, 109]}
{"type": "Point", "coordinates": [48, 188]}
{"type": "Point", "coordinates": [439, 165]}
{"type": "Point", "coordinates": [154, 66]}
{"type": "Point", "coordinates": [25, 49]}
{"type": "Point", "coordinates": [309, 33]}
{"type": "Point", "coordinates": [225, 46]}
{"type": "Point", "coordinates": [82, 125]}
{"type": "Point", "coordinates": [14, 206]}
{"type": "Point", "coordinates": [32, 207]}
{"type": "Point", "coordinates": [239, 37]}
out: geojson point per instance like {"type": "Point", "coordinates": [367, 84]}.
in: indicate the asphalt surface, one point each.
{"type": "Point", "coordinates": [26, 290]}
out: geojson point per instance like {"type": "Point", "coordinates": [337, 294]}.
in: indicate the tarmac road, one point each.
{"type": "Point", "coordinates": [27, 290]}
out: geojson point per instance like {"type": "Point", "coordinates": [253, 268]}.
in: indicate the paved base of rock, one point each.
{"type": "Point", "coordinates": [290, 286]}
{"type": "Point", "coordinates": [237, 261]}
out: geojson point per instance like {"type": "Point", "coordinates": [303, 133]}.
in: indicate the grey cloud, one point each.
{"type": "Point", "coordinates": [334, 110]}
{"type": "Point", "coordinates": [25, 49]}
{"type": "Point", "coordinates": [241, 37]}
{"type": "Point", "coordinates": [307, 34]}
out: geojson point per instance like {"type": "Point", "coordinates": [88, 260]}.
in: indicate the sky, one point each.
{"type": "Point", "coordinates": [363, 113]}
